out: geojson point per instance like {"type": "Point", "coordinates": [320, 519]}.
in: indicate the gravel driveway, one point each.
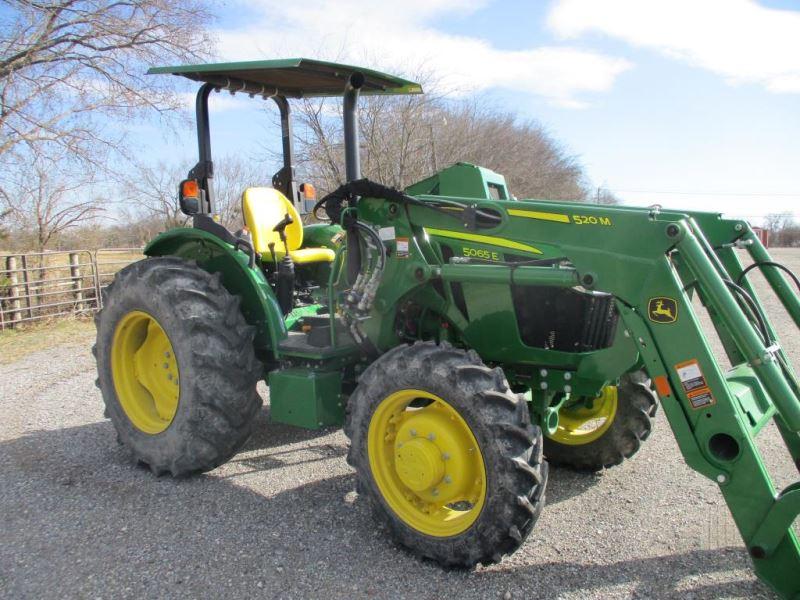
{"type": "Point", "coordinates": [281, 520]}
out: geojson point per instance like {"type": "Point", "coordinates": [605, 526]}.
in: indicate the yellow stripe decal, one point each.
{"type": "Point", "coordinates": [542, 216]}
{"type": "Point", "coordinates": [483, 239]}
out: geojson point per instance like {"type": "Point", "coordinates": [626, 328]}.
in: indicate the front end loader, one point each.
{"type": "Point", "coordinates": [461, 337]}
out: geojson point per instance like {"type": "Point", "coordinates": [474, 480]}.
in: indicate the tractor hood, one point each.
{"type": "Point", "coordinates": [290, 77]}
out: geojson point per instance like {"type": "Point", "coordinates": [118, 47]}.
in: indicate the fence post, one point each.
{"type": "Point", "coordinates": [15, 315]}
{"type": "Point", "coordinates": [77, 280]}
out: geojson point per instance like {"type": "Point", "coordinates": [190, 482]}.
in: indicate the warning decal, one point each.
{"type": "Point", "coordinates": [701, 398]}
{"type": "Point", "coordinates": [690, 375]}
{"type": "Point", "coordinates": [694, 384]}
{"type": "Point", "coordinates": [402, 247]}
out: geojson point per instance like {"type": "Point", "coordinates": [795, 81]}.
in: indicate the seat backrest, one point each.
{"type": "Point", "coordinates": [263, 208]}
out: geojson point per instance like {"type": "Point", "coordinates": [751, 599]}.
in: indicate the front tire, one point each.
{"type": "Point", "coordinates": [446, 454]}
{"type": "Point", "coordinates": [176, 366]}
{"type": "Point", "coordinates": [610, 432]}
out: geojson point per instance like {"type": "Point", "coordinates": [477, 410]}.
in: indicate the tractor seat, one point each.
{"type": "Point", "coordinates": [263, 208]}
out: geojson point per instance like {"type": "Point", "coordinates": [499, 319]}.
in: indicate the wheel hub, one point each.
{"type": "Point", "coordinates": [419, 464]}
{"type": "Point", "coordinates": [580, 425]}
{"type": "Point", "coordinates": [157, 370]}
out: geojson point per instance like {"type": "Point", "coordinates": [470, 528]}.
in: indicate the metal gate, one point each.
{"type": "Point", "coordinates": [43, 285]}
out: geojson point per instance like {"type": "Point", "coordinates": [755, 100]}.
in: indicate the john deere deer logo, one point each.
{"type": "Point", "coordinates": [662, 310]}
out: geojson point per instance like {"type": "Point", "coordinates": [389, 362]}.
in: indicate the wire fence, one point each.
{"type": "Point", "coordinates": [42, 285]}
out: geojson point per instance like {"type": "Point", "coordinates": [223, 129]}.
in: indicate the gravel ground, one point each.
{"type": "Point", "coordinates": [281, 519]}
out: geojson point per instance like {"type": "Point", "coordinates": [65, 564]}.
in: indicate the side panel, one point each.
{"type": "Point", "coordinates": [481, 314]}
{"type": "Point", "coordinates": [306, 397]}
{"type": "Point", "coordinates": [259, 305]}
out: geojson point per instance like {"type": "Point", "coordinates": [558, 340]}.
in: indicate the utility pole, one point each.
{"type": "Point", "coordinates": [433, 148]}
{"type": "Point", "coordinates": [597, 196]}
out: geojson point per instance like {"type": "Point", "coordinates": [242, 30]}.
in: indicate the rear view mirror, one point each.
{"type": "Point", "coordinates": [189, 196]}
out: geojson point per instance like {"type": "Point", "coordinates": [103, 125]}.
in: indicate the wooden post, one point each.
{"type": "Point", "coordinates": [15, 314]}
{"type": "Point", "coordinates": [77, 280]}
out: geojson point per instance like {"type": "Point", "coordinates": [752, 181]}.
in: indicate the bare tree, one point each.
{"type": "Point", "coordinates": [405, 139]}
{"type": "Point", "coordinates": [603, 195]}
{"type": "Point", "coordinates": [231, 176]}
{"type": "Point", "coordinates": [775, 222]}
{"type": "Point", "coordinates": [151, 192]}
{"type": "Point", "coordinates": [783, 229]}
{"type": "Point", "coordinates": [67, 64]}
{"type": "Point", "coordinates": [533, 163]}
{"type": "Point", "coordinates": [48, 201]}
{"type": "Point", "coordinates": [3, 231]}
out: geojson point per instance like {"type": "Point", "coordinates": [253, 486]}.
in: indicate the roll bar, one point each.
{"type": "Point", "coordinates": [284, 179]}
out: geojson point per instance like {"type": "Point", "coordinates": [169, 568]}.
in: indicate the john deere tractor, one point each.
{"type": "Point", "coordinates": [462, 337]}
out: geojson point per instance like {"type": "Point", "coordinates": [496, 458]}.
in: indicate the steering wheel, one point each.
{"type": "Point", "coordinates": [320, 206]}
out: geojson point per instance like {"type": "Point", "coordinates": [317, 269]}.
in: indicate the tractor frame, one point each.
{"type": "Point", "coordinates": [565, 298]}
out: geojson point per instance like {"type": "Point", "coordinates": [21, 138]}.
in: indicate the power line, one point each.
{"type": "Point", "coordinates": [747, 194]}
{"type": "Point", "coordinates": [764, 216]}
{"type": "Point", "coordinates": [740, 215]}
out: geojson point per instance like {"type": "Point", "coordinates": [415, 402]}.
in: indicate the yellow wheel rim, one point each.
{"type": "Point", "coordinates": [426, 463]}
{"type": "Point", "coordinates": [145, 372]}
{"type": "Point", "coordinates": [581, 425]}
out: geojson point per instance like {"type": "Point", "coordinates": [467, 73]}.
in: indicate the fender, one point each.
{"type": "Point", "coordinates": [259, 305]}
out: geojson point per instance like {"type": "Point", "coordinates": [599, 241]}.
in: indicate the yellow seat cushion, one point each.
{"type": "Point", "coordinates": [312, 255]}
{"type": "Point", "coordinates": [263, 208]}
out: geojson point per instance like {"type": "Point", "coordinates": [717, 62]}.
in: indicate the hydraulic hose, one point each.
{"type": "Point", "coordinates": [769, 263]}
{"type": "Point", "coordinates": [334, 201]}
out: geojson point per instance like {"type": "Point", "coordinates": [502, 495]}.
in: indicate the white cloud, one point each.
{"type": "Point", "coordinates": [404, 37]}
{"type": "Point", "coordinates": [738, 39]}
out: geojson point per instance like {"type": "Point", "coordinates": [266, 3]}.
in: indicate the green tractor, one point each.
{"type": "Point", "coordinates": [461, 337]}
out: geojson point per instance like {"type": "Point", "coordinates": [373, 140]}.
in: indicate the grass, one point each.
{"type": "Point", "coordinates": [120, 255]}
{"type": "Point", "coordinates": [59, 259]}
{"type": "Point", "coordinates": [19, 342]}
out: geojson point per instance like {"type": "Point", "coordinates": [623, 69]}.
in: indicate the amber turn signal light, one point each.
{"type": "Point", "coordinates": [189, 196]}
{"type": "Point", "coordinates": [309, 191]}
{"type": "Point", "coordinates": [190, 188]}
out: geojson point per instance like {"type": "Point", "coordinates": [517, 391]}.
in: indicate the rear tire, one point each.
{"type": "Point", "coordinates": [213, 363]}
{"type": "Point", "coordinates": [631, 425]}
{"type": "Point", "coordinates": [449, 394]}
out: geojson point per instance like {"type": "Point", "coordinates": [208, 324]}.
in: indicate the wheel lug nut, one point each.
{"type": "Point", "coordinates": [431, 436]}
{"type": "Point", "coordinates": [166, 365]}
{"type": "Point", "coordinates": [166, 354]}
{"type": "Point", "coordinates": [169, 376]}
{"type": "Point", "coordinates": [413, 432]}
{"type": "Point", "coordinates": [434, 492]}
{"type": "Point", "coordinates": [448, 479]}
{"type": "Point", "coordinates": [446, 456]}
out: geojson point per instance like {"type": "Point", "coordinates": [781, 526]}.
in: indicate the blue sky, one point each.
{"type": "Point", "coordinates": [692, 103]}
